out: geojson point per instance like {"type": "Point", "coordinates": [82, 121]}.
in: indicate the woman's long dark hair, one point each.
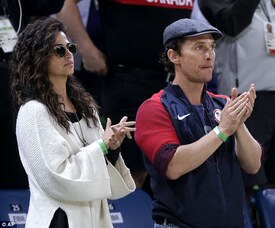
{"type": "Point", "coordinates": [29, 74]}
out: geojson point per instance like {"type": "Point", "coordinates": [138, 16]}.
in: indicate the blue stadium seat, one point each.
{"type": "Point", "coordinates": [14, 207]}
{"type": "Point", "coordinates": [264, 200]}
{"type": "Point", "coordinates": [132, 211]}
{"type": "Point", "coordinates": [247, 218]}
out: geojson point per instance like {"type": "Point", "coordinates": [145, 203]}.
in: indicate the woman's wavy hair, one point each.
{"type": "Point", "coordinates": [29, 74]}
{"type": "Point", "coordinates": [164, 60]}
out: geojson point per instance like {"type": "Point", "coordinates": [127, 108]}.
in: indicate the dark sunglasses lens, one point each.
{"type": "Point", "coordinates": [72, 48]}
{"type": "Point", "coordinates": [60, 51]}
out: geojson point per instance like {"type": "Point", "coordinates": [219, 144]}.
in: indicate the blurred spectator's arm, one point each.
{"type": "Point", "coordinates": [231, 17]}
{"type": "Point", "coordinates": [93, 59]}
{"type": "Point", "coordinates": [42, 7]}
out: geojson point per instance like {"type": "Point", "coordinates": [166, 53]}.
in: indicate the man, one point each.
{"type": "Point", "coordinates": [195, 142]}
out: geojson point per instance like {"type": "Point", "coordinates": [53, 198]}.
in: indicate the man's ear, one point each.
{"type": "Point", "coordinates": [173, 56]}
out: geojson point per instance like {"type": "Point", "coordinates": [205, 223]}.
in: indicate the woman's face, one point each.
{"type": "Point", "coordinates": [61, 62]}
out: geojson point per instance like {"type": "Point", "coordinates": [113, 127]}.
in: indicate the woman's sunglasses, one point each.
{"type": "Point", "coordinates": [60, 50]}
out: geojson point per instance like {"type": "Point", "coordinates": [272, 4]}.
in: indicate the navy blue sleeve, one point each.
{"type": "Point", "coordinates": [164, 157]}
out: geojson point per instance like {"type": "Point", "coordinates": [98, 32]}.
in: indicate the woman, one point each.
{"type": "Point", "coordinates": [72, 164]}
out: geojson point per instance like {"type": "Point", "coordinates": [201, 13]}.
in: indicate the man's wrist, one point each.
{"type": "Point", "coordinates": [221, 135]}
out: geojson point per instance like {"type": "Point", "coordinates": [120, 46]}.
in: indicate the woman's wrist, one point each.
{"type": "Point", "coordinates": [103, 146]}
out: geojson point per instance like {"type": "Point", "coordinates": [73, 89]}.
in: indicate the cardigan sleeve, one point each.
{"type": "Point", "coordinates": [121, 180]}
{"type": "Point", "coordinates": [55, 164]}
{"type": "Point", "coordinates": [230, 16]}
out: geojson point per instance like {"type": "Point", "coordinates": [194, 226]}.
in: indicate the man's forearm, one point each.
{"type": "Point", "coordinates": [248, 150]}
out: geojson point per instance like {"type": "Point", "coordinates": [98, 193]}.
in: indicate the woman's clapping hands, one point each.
{"type": "Point", "coordinates": [115, 134]}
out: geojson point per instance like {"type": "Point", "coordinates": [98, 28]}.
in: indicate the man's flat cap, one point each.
{"type": "Point", "coordinates": [188, 28]}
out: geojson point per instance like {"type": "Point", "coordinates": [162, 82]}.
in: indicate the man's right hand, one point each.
{"type": "Point", "coordinates": [94, 60]}
{"type": "Point", "coordinates": [234, 112]}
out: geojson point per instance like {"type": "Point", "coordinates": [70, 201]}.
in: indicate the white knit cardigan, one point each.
{"type": "Point", "coordinates": [64, 174]}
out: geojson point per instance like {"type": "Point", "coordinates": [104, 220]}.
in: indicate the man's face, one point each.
{"type": "Point", "coordinates": [196, 60]}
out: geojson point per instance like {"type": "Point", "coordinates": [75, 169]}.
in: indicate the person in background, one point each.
{"type": "Point", "coordinates": [195, 142]}
{"type": "Point", "coordinates": [15, 15]}
{"type": "Point", "coordinates": [242, 61]}
{"type": "Point", "coordinates": [73, 165]}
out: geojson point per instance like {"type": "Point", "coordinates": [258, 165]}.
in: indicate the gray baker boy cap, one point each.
{"type": "Point", "coordinates": [188, 28]}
